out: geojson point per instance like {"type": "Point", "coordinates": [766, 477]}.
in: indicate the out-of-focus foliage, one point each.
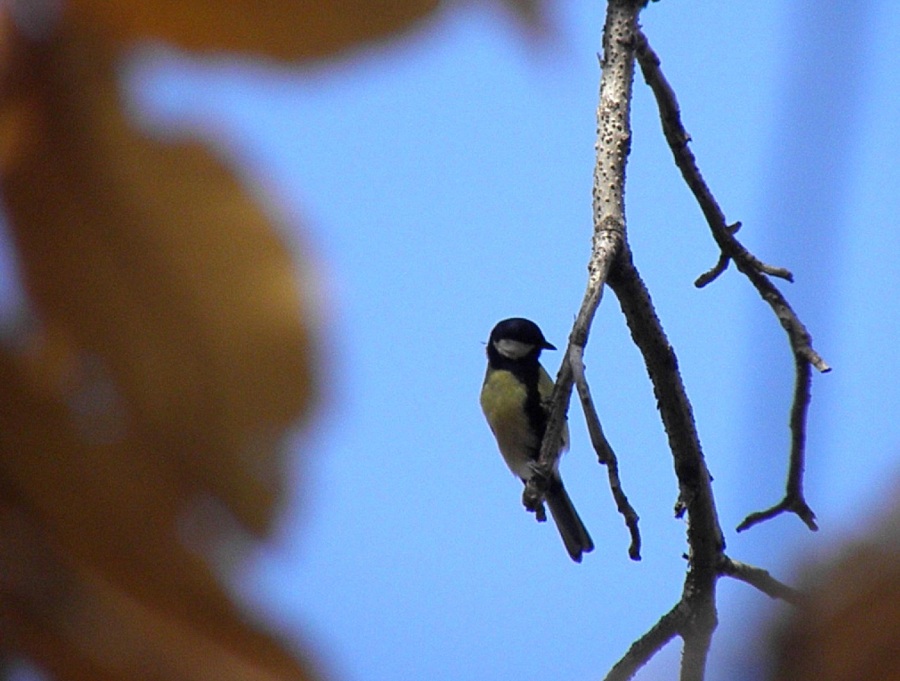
{"type": "Point", "coordinates": [166, 351]}
{"type": "Point", "coordinates": [288, 29]}
{"type": "Point", "coordinates": [291, 29]}
{"type": "Point", "coordinates": [169, 352]}
{"type": "Point", "coordinates": [849, 627]}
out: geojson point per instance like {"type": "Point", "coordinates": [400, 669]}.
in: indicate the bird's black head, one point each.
{"type": "Point", "coordinates": [516, 340]}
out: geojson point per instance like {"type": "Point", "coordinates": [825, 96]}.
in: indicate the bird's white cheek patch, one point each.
{"type": "Point", "coordinates": [513, 349]}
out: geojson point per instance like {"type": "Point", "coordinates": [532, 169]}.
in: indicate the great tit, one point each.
{"type": "Point", "coordinates": [514, 399]}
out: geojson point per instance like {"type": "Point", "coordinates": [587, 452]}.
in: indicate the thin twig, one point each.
{"type": "Point", "coordinates": [794, 500]}
{"type": "Point", "coordinates": [605, 453]}
{"type": "Point", "coordinates": [678, 138]}
{"type": "Point", "coordinates": [640, 652]}
{"type": "Point", "coordinates": [713, 273]}
{"type": "Point", "coordinates": [721, 265]}
{"type": "Point", "coordinates": [756, 271]}
{"type": "Point", "coordinates": [761, 579]}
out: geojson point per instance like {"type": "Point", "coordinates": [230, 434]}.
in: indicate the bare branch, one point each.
{"type": "Point", "coordinates": [794, 500]}
{"type": "Point", "coordinates": [694, 618]}
{"type": "Point", "coordinates": [761, 579]}
{"type": "Point", "coordinates": [605, 453]}
{"type": "Point", "coordinates": [611, 261]}
{"type": "Point", "coordinates": [613, 145]}
{"type": "Point", "coordinates": [648, 645]}
{"type": "Point", "coordinates": [789, 504]}
{"type": "Point", "coordinates": [695, 491]}
{"type": "Point", "coordinates": [704, 533]}
{"type": "Point", "coordinates": [696, 650]}
{"type": "Point", "coordinates": [712, 274]}
{"type": "Point", "coordinates": [678, 138]}
{"type": "Point", "coordinates": [755, 270]}
{"type": "Point", "coordinates": [721, 265]}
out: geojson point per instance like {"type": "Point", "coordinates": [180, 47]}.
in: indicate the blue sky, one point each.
{"type": "Point", "coordinates": [443, 183]}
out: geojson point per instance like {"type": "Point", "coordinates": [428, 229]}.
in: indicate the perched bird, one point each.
{"type": "Point", "coordinates": [514, 400]}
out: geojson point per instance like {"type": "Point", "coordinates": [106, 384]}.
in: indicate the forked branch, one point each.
{"type": "Point", "coordinates": [694, 617]}
{"type": "Point", "coordinates": [613, 144]}
{"type": "Point", "coordinates": [756, 271]}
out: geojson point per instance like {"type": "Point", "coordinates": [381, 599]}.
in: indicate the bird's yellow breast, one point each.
{"type": "Point", "coordinates": [503, 402]}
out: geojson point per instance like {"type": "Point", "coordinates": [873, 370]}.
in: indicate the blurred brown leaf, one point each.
{"type": "Point", "coordinates": [168, 352]}
{"type": "Point", "coordinates": [82, 627]}
{"type": "Point", "coordinates": [287, 29]}
{"type": "Point", "coordinates": [849, 627]}
{"type": "Point", "coordinates": [171, 353]}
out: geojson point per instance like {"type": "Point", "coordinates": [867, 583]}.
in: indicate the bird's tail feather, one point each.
{"type": "Point", "coordinates": [573, 532]}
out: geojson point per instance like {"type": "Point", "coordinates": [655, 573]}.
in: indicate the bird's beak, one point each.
{"type": "Point", "coordinates": [548, 346]}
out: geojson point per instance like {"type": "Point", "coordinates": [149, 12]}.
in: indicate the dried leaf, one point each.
{"type": "Point", "coordinates": [82, 627]}
{"type": "Point", "coordinates": [849, 625]}
{"type": "Point", "coordinates": [171, 353]}
{"type": "Point", "coordinates": [287, 29]}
